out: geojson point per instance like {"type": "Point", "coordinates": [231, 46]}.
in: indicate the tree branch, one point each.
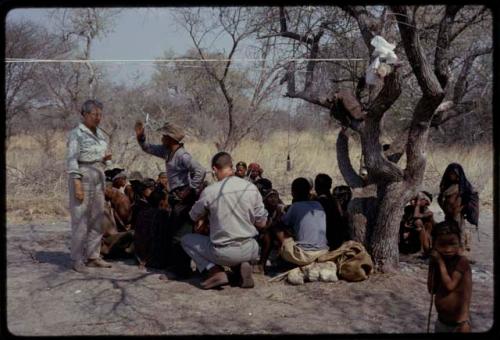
{"type": "Point", "coordinates": [421, 67]}
{"type": "Point", "coordinates": [387, 96]}
{"type": "Point", "coordinates": [366, 23]}
{"type": "Point", "coordinates": [467, 24]}
{"type": "Point", "coordinates": [441, 60]}
{"type": "Point", "coordinates": [287, 34]}
{"type": "Point", "coordinates": [460, 85]}
{"type": "Point", "coordinates": [344, 162]}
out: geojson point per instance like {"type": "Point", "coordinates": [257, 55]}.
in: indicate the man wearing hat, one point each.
{"type": "Point", "coordinates": [185, 181]}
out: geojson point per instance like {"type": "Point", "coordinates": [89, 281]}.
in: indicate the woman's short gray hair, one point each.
{"type": "Point", "coordinates": [89, 105]}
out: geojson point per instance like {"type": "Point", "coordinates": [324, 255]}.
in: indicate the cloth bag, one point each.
{"type": "Point", "coordinates": [352, 260]}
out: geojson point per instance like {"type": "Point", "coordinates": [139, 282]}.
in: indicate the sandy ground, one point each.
{"type": "Point", "coordinates": [45, 297]}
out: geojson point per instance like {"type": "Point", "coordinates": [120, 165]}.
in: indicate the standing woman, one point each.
{"type": "Point", "coordinates": [459, 200]}
{"type": "Point", "coordinates": [86, 161]}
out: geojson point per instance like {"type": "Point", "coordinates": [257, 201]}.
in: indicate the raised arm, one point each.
{"type": "Point", "coordinates": [155, 150]}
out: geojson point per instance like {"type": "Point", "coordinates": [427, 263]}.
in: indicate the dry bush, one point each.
{"type": "Point", "coordinates": [37, 180]}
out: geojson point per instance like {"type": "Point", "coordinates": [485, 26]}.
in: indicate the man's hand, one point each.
{"type": "Point", "coordinates": [79, 190]}
{"type": "Point", "coordinates": [201, 227]}
{"type": "Point", "coordinates": [139, 129]}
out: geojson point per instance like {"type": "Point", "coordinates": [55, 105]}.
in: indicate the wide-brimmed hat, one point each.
{"type": "Point", "coordinates": [172, 130]}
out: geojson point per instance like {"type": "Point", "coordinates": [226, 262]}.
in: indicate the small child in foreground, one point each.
{"type": "Point", "coordinates": [450, 278]}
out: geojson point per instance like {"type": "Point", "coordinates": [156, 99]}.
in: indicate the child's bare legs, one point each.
{"type": "Point", "coordinates": [266, 241]}
{"type": "Point", "coordinates": [425, 240]}
{"type": "Point", "coordinates": [281, 235]}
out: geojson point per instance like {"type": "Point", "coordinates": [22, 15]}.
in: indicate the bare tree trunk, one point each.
{"type": "Point", "coordinates": [384, 238]}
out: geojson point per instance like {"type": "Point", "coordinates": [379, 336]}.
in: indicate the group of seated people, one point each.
{"type": "Point", "coordinates": [137, 218]}
{"type": "Point", "coordinates": [136, 211]}
{"type": "Point", "coordinates": [316, 220]}
{"type": "Point", "coordinates": [138, 221]}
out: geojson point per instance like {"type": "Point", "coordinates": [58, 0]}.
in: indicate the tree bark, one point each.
{"type": "Point", "coordinates": [384, 238]}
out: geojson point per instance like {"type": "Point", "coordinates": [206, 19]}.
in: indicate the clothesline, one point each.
{"type": "Point", "coordinates": [32, 60]}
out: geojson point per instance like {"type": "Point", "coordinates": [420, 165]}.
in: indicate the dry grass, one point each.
{"type": "Point", "coordinates": [37, 182]}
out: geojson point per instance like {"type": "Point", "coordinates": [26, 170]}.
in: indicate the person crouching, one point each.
{"type": "Point", "coordinates": [234, 209]}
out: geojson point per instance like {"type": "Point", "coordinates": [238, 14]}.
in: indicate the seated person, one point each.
{"type": "Point", "coordinates": [254, 172]}
{"type": "Point", "coordinates": [241, 169]}
{"type": "Point", "coordinates": [143, 216]}
{"type": "Point", "coordinates": [416, 225]}
{"type": "Point", "coordinates": [264, 185]}
{"type": "Point", "coordinates": [305, 240]}
{"type": "Point", "coordinates": [120, 181]}
{"type": "Point", "coordinates": [134, 180]}
{"type": "Point", "coordinates": [118, 177]}
{"type": "Point", "coordinates": [159, 231]}
{"type": "Point", "coordinates": [322, 186]}
{"type": "Point", "coordinates": [162, 185]}
{"type": "Point", "coordinates": [162, 180]}
{"type": "Point", "coordinates": [234, 209]}
{"type": "Point", "coordinates": [116, 242]}
{"type": "Point", "coordinates": [121, 207]}
{"type": "Point", "coordinates": [275, 209]}
{"type": "Point", "coordinates": [342, 195]}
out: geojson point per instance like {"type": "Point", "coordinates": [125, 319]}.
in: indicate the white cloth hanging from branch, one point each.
{"type": "Point", "coordinates": [384, 55]}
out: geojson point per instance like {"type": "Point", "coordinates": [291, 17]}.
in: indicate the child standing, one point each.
{"type": "Point", "coordinates": [450, 278]}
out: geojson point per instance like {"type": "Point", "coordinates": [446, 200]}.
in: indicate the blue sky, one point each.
{"type": "Point", "coordinates": [139, 33]}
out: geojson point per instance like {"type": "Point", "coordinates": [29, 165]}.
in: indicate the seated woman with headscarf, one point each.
{"type": "Point", "coordinates": [254, 172]}
{"type": "Point", "coordinates": [416, 226]}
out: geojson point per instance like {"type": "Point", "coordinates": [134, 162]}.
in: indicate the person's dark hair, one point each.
{"type": "Point", "coordinates": [138, 187]}
{"type": "Point", "coordinates": [300, 189]}
{"type": "Point", "coordinates": [445, 228]}
{"type": "Point", "coordinates": [156, 197]}
{"type": "Point", "coordinates": [428, 194]}
{"type": "Point", "coordinates": [322, 184]}
{"type": "Point", "coordinates": [264, 185]}
{"type": "Point", "coordinates": [148, 183]}
{"type": "Point", "coordinates": [112, 173]}
{"type": "Point", "coordinates": [343, 194]}
{"type": "Point", "coordinates": [221, 160]}
{"type": "Point", "coordinates": [89, 105]}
